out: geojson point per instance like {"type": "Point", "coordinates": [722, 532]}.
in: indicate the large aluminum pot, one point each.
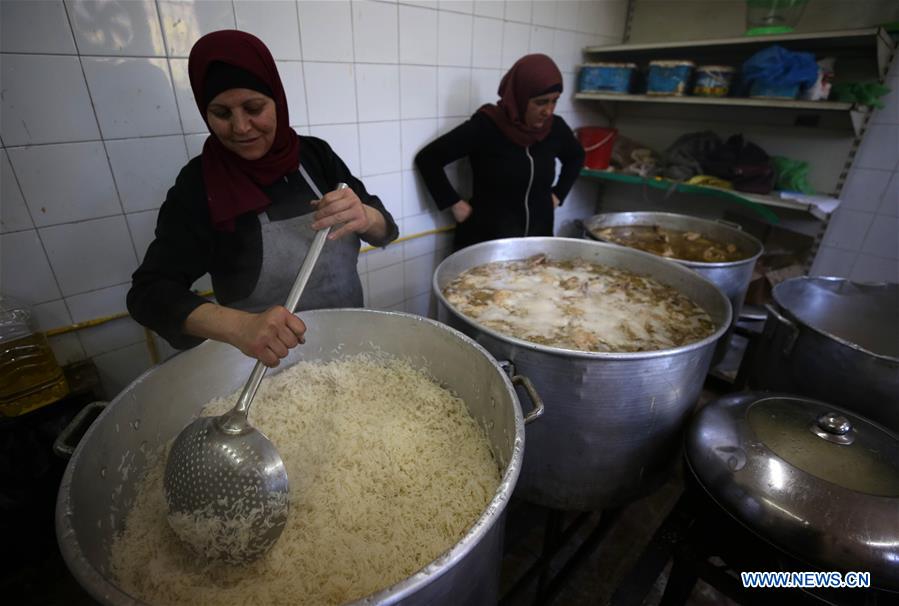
{"type": "Point", "coordinates": [834, 340]}
{"type": "Point", "coordinates": [732, 277]}
{"type": "Point", "coordinates": [613, 420]}
{"type": "Point", "coordinates": [95, 495]}
{"type": "Point", "coordinates": [818, 481]}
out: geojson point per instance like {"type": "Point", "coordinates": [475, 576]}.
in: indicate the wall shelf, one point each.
{"type": "Point", "coordinates": [831, 128]}
{"type": "Point", "coordinates": [864, 54]}
{"type": "Point", "coordinates": [759, 203]}
{"type": "Point", "coordinates": [873, 45]}
{"type": "Point", "coordinates": [851, 115]}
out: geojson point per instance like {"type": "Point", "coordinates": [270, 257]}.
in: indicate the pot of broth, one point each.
{"type": "Point", "coordinates": [617, 342]}
{"type": "Point", "coordinates": [358, 450]}
{"type": "Point", "coordinates": [721, 252]}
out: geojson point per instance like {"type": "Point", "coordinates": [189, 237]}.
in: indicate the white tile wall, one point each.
{"type": "Point", "coordinates": [375, 32]}
{"type": "Point", "coordinates": [13, 211]}
{"type": "Point", "coordinates": [144, 169]}
{"type": "Point", "coordinates": [272, 21]}
{"type": "Point", "coordinates": [379, 145]}
{"type": "Point", "coordinates": [418, 35]}
{"type": "Point", "coordinates": [66, 182]}
{"type": "Point", "coordinates": [47, 32]}
{"type": "Point", "coordinates": [326, 29]}
{"type": "Point", "coordinates": [82, 180]}
{"type": "Point", "coordinates": [378, 90]}
{"type": "Point", "coordinates": [25, 273]}
{"type": "Point", "coordinates": [862, 239]}
{"type": "Point", "coordinates": [132, 97]}
{"type": "Point", "coordinates": [90, 255]}
{"type": "Point", "coordinates": [116, 28]}
{"type": "Point", "coordinates": [334, 88]}
{"type": "Point", "coordinates": [112, 335]}
{"type": "Point", "coordinates": [31, 108]}
{"type": "Point", "coordinates": [183, 22]}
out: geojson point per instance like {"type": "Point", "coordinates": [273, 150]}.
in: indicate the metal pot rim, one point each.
{"type": "Point", "coordinates": [759, 247]}
{"type": "Point", "coordinates": [103, 588]}
{"type": "Point", "coordinates": [573, 353]}
{"type": "Point", "coordinates": [841, 340]}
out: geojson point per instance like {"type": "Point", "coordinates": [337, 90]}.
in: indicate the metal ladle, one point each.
{"type": "Point", "coordinates": [225, 483]}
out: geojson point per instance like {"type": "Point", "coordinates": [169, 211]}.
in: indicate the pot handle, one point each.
{"type": "Point", "coordinates": [68, 438]}
{"type": "Point", "coordinates": [536, 400]}
{"type": "Point", "coordinates": [780, 319]}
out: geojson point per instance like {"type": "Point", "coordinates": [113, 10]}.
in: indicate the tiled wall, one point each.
{"type": "Point", "coordinates": [862, 240]}
{"type": "Point", "coordinates": [98, 117]}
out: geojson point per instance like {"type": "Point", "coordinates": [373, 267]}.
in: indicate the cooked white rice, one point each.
{"type": "Point", "coordinates": [387, 471]}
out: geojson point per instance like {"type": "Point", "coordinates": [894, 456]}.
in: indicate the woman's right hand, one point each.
{"type": "Point", "coordinates": [266, 336]}
{"type": "Point", "coordinates": [461, 211]}
{"type": "Point", "coordinates": [270, 335]}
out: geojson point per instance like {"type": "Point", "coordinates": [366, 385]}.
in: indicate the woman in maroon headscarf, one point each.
{"type": "Point", "coordinates": [512, 147]}
{"type": "Point", "coordinates": [246, 210]}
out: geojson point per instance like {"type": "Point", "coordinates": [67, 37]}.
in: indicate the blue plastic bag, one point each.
{"type": "Point", "coordinates": [777, 66]}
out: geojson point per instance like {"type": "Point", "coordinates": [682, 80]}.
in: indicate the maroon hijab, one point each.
{"type": "Point", "coordinates": [531, 76]}
{"type": "Point", "coordinates": [232, 183]}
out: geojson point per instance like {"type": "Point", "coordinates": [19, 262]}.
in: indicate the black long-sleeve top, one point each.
{"type": "Point", "coordinates": [186, 246]}
{"type": "Point", "coordinates": [513, 185]}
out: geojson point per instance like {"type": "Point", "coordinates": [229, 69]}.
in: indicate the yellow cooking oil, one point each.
{"type": "Point", "coordinates": [29, 374]}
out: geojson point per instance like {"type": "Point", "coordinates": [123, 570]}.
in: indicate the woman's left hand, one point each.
{"type": "Point", "coordinates": [556, 201]}
{"type": "Point", "coordinates": [342, 206]}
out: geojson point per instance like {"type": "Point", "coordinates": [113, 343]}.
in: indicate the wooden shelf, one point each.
{"type": "Point", "coordinates": [761, 204]}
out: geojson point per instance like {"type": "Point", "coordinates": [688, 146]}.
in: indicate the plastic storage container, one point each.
{"type": "Point", "coordinates": [29, 375]}
{"type": "Point", "coordinates": [713, 80]}
{"type": "Point", "coordinates": [607, 77]}
{"type": "Point", "coordinates": [767, 17]}
{"type": "Point", "coordinates": [669, 77]}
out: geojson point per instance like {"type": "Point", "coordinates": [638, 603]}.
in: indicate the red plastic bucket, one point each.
{"type": "Point", "coordinates": [597, 142]}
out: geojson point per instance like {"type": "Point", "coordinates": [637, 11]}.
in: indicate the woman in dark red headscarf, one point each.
{"type": "Point", "coordinates": [245, 211]}
{"type": "Point", "coordinates": [512, 147]}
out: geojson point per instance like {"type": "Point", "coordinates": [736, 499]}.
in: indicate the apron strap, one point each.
{"type": "Point", "coordinates": [311, 183]}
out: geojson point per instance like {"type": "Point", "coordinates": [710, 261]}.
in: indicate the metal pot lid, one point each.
{"type": "Point", "coordinates": [863, 316]}
{"type": "Point", "coordinates": [816, 480]}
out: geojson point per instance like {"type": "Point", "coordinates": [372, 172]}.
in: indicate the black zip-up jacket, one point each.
{"type": "Point", "coordinates": [186, 246]}
{"type": "Point", "coordinates": [513, 185]}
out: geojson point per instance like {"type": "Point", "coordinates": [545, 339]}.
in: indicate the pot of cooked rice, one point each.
{"type": "Point", "coordinates": [402, 440]}
{"type": "Point", "coordinates": [617, 342]}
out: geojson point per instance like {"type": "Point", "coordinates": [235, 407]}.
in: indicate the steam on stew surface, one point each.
{"type": "Point", "coordinates": [579, 305]}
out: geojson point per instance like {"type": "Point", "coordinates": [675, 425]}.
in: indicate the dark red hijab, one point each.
{"type": "Point", "coordinates": [232, 183]}
{"type": "Point", "coordinates": [531, 76]}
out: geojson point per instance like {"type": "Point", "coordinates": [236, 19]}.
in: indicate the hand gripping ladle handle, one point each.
{"type": "Point", "coordinates": [236, 420]}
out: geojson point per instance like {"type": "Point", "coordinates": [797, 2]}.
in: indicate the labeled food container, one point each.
{"type": "Point", "coordinates": [607, 77]}
{"type": "Point", "coordinates": [713, 80]}
{"type": "Point", "coordinates": [669, 77]}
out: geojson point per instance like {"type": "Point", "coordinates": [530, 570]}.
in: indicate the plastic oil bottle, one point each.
{"type": "Point", "coordinates": [29, 374]}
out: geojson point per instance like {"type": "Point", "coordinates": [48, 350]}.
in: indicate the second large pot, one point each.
{"type": "Point", "coordinates": [612, 422]}
{"type": "Point", "coordinates": [834, 340]}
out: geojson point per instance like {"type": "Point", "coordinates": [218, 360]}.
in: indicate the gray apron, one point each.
{"type": "Point", "coordinates": [334, 281]}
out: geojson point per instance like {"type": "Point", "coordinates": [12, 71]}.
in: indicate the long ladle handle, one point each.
{"type": "Point", "coordinates": [249, 390]}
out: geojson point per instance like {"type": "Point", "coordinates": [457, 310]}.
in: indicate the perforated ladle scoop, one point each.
{"type": "Point", "coordinates": [225, 483]}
